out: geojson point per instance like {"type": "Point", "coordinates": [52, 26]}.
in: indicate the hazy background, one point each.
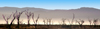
{"type": "Point", "coordinates": [56, 15]}
{"type": "Point", "coordinates": [52, 9]}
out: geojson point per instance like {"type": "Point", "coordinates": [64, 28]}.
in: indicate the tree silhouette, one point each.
{"type": "Point", "coordinates": [14, 16]}
{"type": "Point", "coordinates": [78, 22]}
{"type": "Point", "coordinates": [6, 18]}
{"type": "Point", "coordinates": [18, 14]}
{"type": "Point", "coordinates": [63, 21]}
{"type": "Point", "coordinates": [49, 21]}
{"type": "Point", "coordinates": [82, 21]}
{"type": "Point", "coordinates": [35, 21]}
{"type": "Point", "coordinates": [28, 14]}
{"type": "Point", "coordinates": [44, 22]}
{"type": "Point", "coordinates": [95, 21]}
{"type": "Point", "coordinates": [90, 21]}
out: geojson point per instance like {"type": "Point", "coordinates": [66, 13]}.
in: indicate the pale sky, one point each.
{"type": "Point", "coordinates": [51, 4]}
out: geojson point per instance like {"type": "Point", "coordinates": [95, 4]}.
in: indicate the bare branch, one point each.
{"type": "Point", "coordinates": [9, 17]}
{"type": "Point", "coordinates": [33, 17]}
{"type": "Point", "coordinates": [78, 22]}
{"type": "Point", "coordinates": [95, 21]}
{"type": "Point", "coordinates": [4, 17]}
{"type": "Point", "coordinates": [37, 18]}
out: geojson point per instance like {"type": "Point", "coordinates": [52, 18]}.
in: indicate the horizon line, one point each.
{"type": "Point", "coordinates": [50, 9]}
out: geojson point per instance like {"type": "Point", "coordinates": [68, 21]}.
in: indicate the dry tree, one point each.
{"type": "Point", "coordinates": [14, 16]}
{"type": "Point", "coordinates": [28, 14]}
{"type": "Point", "coordinates": [37, 18]}
{"type": "Point", "coordinates": [63, 21]}
{"type": "Point", "coordinates": [78, 22]}
{"type": "Point", "coordinates": [33, 17]}
{"type": "Point", "coordinates": [82, 21]}
{"type": "Point", "coordinates": [35, 21]}
{"type": "Point", "coordinates": [95, 21]}
{"type": "Point", "coordinates": [6, 19]}
{"type": "Point", "coordinates": [90, 21]}
{"type": "Point", "coordinates": [21, 22]}
{"type": "Point", "coordinates": [49, 21]}
{"type": "Point", "coordinates": [18, 14]}
{"type": "Point", "coordinates": [44, 22]}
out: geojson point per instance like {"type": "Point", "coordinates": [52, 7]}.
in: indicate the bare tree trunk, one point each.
{"type": "Point", "coordinates": [11, 23]}
{"type": "Point", "coordinates": [28, 22]}
{"type": "Point", "coordinates": [18, 22]}
{"type": "Point", "coordinates": [7, 22]}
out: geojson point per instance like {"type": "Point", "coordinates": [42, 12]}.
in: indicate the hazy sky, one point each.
{"type": "Point", "coordinates": [51, 4]}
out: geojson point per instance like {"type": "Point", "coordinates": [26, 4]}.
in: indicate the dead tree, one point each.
{"type": "Point", "coordinates": [18, 14]}
{"type": "Point", "coordinates": [44, 22]}
{"type": "Point", "coordinates": [63, 21]}
{"type": "Point", "coordinates": [28, 14]}
{"type": "Point", "coordinates": [49, 21]}
{"type": "Point", "coordinates": [33, 17]}
{"type": "Point", "coordinates": [95, 21]}
{"type": "Point", "coordinates": [90, 21]}
{"type": "Point", "coordinates": [78, 22]}
{"type": "Point", "coordinates": [6, 19]}
{"type": "Point", "coordinates": [14, 16]}
{"type": "Point", "coordinates": [35, 21]}
{"type": "Point", "coordinates": [82, 21]}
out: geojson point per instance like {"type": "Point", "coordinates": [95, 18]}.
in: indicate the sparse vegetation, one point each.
{"type": "Point", "coordinates": [20, 24]}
